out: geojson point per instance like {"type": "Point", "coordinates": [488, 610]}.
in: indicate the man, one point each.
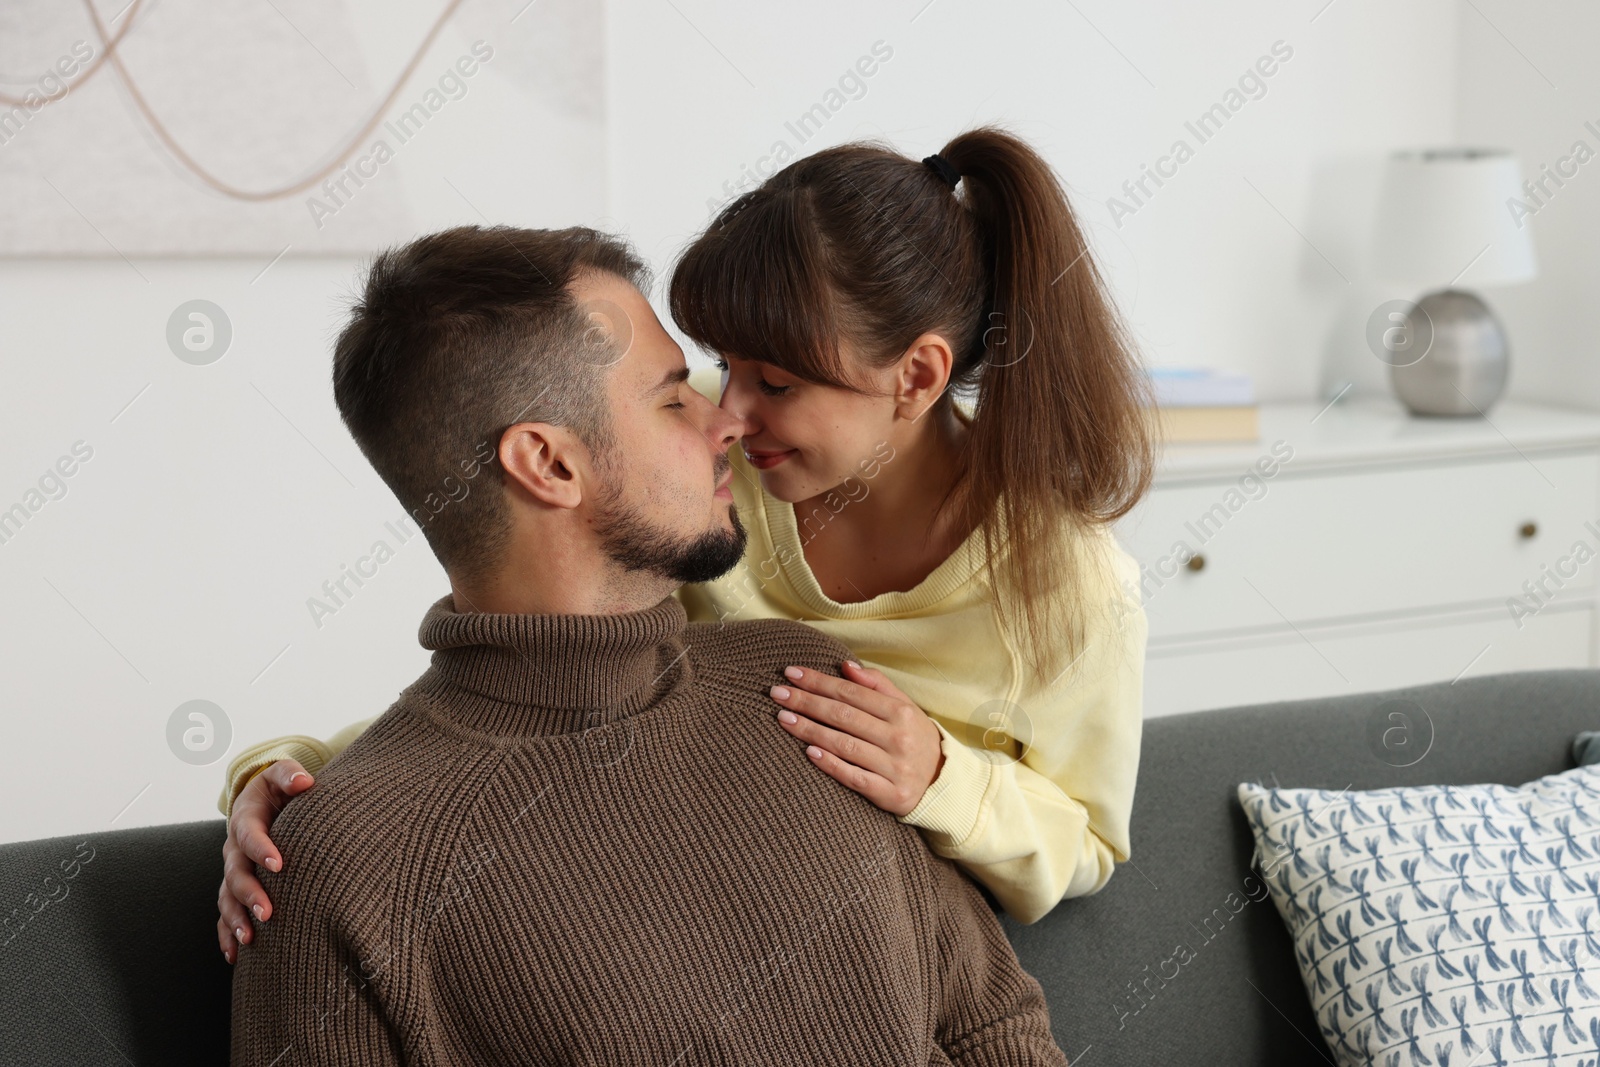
{"type": "Point", "coordinates": [579, 837]}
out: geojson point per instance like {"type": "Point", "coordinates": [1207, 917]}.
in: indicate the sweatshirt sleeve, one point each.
{"type": "Point", "coordinates": [992, 1013]}
{"type": "Point", "coordinates": [1054, 822]}
{"type": "Point", "coordinates": [309, 752]}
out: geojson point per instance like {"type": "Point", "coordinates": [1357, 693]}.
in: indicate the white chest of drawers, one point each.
{"type": "Point", "coordinates": [1359, 548]}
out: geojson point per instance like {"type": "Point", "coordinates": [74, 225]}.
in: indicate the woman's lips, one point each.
{"type": "Point", "coordinates": [762, 459]}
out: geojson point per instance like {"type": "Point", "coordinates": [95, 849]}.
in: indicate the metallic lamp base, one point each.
{"type": "Point", "coordinates": [1464, 367]}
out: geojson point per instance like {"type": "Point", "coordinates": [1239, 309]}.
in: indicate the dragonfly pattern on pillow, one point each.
{"type": "Point", "coordinates": [1442, 926]}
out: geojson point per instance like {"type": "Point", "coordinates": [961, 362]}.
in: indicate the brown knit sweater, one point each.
{"type": "Point", "coordinates": [585, 839]}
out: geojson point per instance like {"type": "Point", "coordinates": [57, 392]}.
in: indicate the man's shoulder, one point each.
{"type": "Point", "coordinates": [759, 646]}
{"type": "Point", "coordinates": [349, 825]}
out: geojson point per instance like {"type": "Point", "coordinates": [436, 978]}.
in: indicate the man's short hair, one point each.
{"type": "Point", "coordinates": [458, 336]}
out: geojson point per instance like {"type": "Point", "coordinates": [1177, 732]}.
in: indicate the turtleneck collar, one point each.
{"type": "Point", "coordinates": [521, 675]}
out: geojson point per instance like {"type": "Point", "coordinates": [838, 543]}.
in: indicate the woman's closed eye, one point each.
{"type": "Point", "coordinates": [766, 387]}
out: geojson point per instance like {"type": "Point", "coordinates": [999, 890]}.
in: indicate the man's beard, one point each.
{"type": "Point", "coordinates": [635, 543]}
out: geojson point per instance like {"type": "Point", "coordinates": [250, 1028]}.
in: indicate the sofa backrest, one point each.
{"type": "Point", "coordinates": [108, 950]}
{"type": "Point", "coordinates": [1117, 979]}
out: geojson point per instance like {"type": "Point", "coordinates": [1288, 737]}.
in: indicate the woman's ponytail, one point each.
{"type": "Point", "coordinates": [1057, 432]}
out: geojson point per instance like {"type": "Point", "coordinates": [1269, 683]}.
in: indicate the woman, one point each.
{"type": "Point", "coordinates": [965, 557]}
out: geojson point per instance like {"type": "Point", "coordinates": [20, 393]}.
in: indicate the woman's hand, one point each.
{"type": "Point", "coordinates": [864, 732]}
{"type": "Point", "coordinates": [248, 844]}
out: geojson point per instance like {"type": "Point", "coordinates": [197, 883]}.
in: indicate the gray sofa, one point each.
{"type": "Point", "coordinates": [123, 968]}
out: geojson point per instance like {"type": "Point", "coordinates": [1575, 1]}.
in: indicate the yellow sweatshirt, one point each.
{"type": "Point", "coordinates": [1037, 785]}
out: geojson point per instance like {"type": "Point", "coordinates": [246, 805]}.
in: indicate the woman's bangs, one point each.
{"type": "Point", "coordinates": [752, 287]}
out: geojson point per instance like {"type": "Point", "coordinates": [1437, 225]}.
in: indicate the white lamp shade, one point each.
{"type": "Point", "coordinates": [1441, 210]}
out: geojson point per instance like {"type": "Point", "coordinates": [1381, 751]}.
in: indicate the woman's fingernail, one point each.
{"type": "Point", "coordinates": [238, 934]}
{"type": "Point", "coordinates": [227, 956]}
{"type": "Point", "coordinates": [794, 672]}
{"type": "Point", "coordinates": [788, 717]}
{"type": "Point", "coordinates": [814, 752]}
{"type": "Point", "coordinates": [298, 775]}
{"type": "Point", "coordinates": [259, 912]}
{"type": "Point", "coordinates": [272, 863]}
{"type": "Point", "coordinates": [852, 663]}
{"type": "Point", "coordinates": [780, 692]}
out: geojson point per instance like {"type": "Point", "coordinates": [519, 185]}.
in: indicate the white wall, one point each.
{"type": "Point", "coordinates": [1208, 271]}
{"type": "Point", "coordinates": [1535, 86]}
{"type": "Point", "coordinates": [179, 564]}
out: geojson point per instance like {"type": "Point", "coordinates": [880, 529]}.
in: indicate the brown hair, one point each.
{"type": "Point", "coordinates": [863, 244]}
{"type": "Point", "coordinates": [456, 337]}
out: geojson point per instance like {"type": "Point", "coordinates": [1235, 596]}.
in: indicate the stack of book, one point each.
{"type": "Point", "coordinates": [1202, 404]}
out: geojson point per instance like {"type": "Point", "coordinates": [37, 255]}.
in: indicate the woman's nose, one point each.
{"type": "Point", "coordinates": [736, 403]}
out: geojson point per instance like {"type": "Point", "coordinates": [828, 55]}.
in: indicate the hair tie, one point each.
{"type": "Point", "coordinates": [943, 168]}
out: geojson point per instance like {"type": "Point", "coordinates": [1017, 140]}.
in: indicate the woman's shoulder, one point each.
{"type": "Point", "coordinates": [1099, 581]}
{"type": "Point", "coordinates": [1097, 560]}
{"type": "Point", "coordinates": [1102, 545]}
{"type": "Point", "coordinates": [1121, 587]}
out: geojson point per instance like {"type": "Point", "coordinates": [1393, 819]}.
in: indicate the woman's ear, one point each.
{"type": "Point", "coordinates": [923, 376]}
{"type": "Point", "coordinates": [546, 462]}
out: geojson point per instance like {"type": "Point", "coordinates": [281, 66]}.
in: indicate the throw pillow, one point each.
{"type": "Point", "coordinates": [1441, 925]}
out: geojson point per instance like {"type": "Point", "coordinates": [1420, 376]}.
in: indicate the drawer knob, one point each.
{"type": "Point", "coordinates": [1529, 529]}
{"type": "Point", "coordinates": [1197, 562]}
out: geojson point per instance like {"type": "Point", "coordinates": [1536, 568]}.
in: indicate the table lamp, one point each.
{"type": "Point", "coordinates": [1445, 214]}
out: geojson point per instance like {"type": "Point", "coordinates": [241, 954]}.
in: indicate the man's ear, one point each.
{"type": "Point", "coordinates": [922, 376]}
{"type": "Point", "coordinates": [547, 462]}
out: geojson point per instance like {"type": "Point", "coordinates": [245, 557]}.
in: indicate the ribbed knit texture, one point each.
{"type": "Point", "coordinates": [585, 839]}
